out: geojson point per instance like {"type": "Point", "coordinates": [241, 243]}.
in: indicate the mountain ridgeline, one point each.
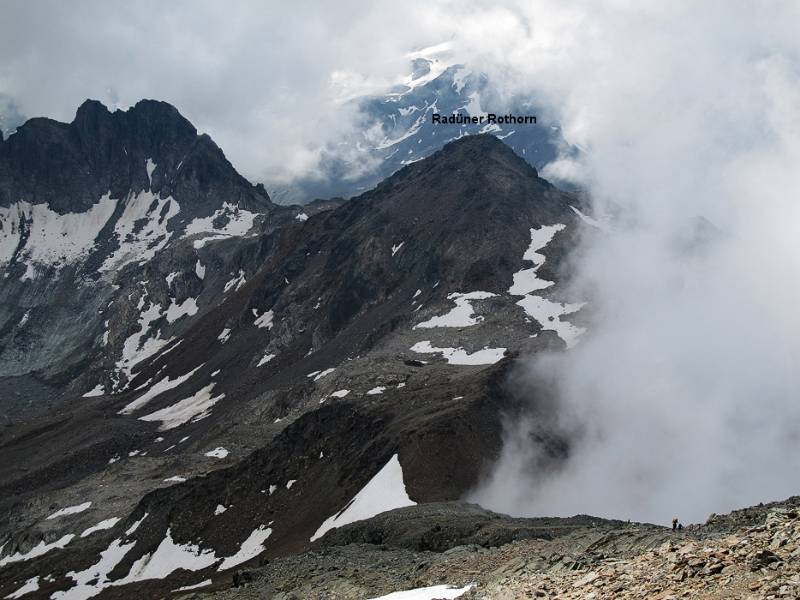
{"type": "Point", "coordinates": [195, 378]}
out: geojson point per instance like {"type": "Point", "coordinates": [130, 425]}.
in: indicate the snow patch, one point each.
{"type": "Point", "coordinates": [38, 550]}
{"type": "Point", "coordinates": [549, 314]}
{"type": "Point", "coordinates": [97, 573]}
{"type": "Point", "coordinates": [101, 526]}
{"type": "Point", "coordinates": [376, 390]}
{"type": "Point", "coordinates": [141, 230]}
{"type": "Point", "coordinates": [29, 586]}
{"type": "Point", "coordinates": [459, 356]}
{"type": "Point", "coordinates": [186, 308]}
{"type": "Point", "coordinates": [236, 282]}
{"type": "Point", "coordinates": [194, 408]}
{"type": "Point", "coordinates": [218, 452]}
{"type": "Point", "coordinates": [265, 359]}
{"type": "Point", "coordinates": [168, 557]}
{"type": "Point", "coordinates": [52, 239]}
{"type": "Point", "coordinates": [195, 586]}
{"type": "Point", "coordinates": [70, 510]}
{"type": "Point", "coordinates": [98, 390]}
{"type": "Point", "coordinates": [264, 321]}
{"type": "Point", "coordinates": [250, 548]}
{"type": "Point", "coordinates": [157, 389]}
{"type": "Point", "coordinates": [460, 316]}
{"type": "Point", "coordinates": [385, 491]}
{"type": "Point", "coordinates": [238, 223]}
{"type": "Point", "coordinates": [175, 479]}
{"type": "Point", "coordinates": [434, 592]}
{"type": "Point", "coordinates": [526, 280]}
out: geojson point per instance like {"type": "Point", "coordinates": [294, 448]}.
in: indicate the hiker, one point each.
{"type": "Point", "coordinates": [674, 523]}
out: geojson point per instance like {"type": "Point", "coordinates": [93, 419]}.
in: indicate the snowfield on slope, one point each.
{"type": "Point", "coordinates": [385, 491]}
{"type": "Point", "coordinates": [459, 356]}
{"type": "Point", "coordinates": [460, 316]}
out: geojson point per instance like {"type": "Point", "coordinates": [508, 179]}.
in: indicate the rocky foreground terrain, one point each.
{"type": "Point", "coordinates": [751, 553]}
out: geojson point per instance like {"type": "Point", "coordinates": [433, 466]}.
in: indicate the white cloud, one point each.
{"type": "Point", "coordinates": [681, 398]}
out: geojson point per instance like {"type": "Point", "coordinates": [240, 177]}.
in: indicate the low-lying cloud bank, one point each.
{"type": "Point", "coordinates": [682, 399]}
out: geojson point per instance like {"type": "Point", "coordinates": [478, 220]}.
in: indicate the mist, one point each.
{"type": "Point", "coordinates": [682, 398]}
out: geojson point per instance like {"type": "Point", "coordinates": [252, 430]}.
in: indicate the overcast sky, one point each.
{"type": "Point", "coordinates": [258, 76]}
{"type": "Point", "coordinates": [685, 387]}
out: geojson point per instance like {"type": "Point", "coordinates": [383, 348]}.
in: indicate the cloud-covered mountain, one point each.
{"type": "Point", "coordinates": [395, 127]}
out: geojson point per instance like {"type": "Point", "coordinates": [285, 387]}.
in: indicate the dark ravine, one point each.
{"type": "Point", "coordinates": [299, 353]}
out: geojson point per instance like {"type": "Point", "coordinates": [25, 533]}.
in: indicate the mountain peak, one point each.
{"type": "Point", "coordinates": [70, 166]}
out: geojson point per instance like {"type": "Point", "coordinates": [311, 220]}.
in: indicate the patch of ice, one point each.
{"type": "Point", "coordinates": [220, 509]}
{"type": "Point", "coordinates": [101, 526]}
{"type": "Point", "coordinates": [250, 548]}
{"type": "Point", "coordinates": [200, 269]}
{"type": "Point", "coordinates": [70, 510]}
{"type": "Point", "coordinates": [290, 483]}
{"type": "Point", "coordinates": [396, 248]}
{"type": "Point", "coordinates": [461, 315]}
{"type": "Point", "coordinates": [459, 356]}
{"type": "Point", "coordinates": [385, 491]}
{"type": "Point", "coordinates": [301, 217]}
{"type": "Point", "coordinates": [224, 335]}
{"type": "Point", "coordinates": [376, 390]}
{"type": "Point", "coordinates": [194, 408]}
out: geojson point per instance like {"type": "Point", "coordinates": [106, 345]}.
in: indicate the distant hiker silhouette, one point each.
{"type": "Point", "coordinates": [680, 526]}
{"type": "Point", "coordinates": [674, 523]}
